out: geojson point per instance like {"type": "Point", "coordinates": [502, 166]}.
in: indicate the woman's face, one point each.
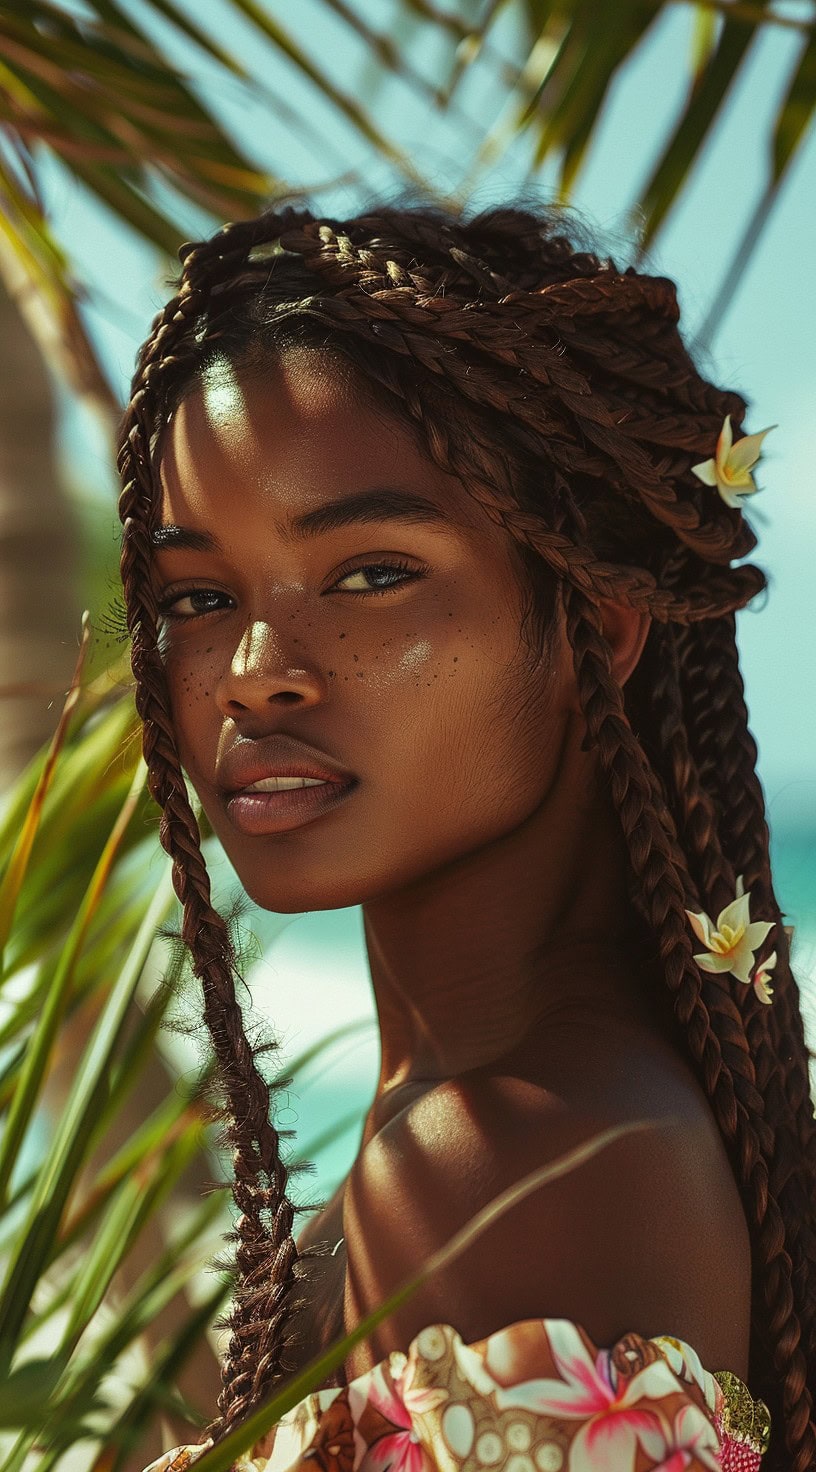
{"type": "Point", "coordinates": [390, 645]}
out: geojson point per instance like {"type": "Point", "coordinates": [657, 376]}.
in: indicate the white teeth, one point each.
{"type": "Point", "coordinates": [281, 784]}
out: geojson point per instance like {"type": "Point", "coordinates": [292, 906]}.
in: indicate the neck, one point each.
{"type": "Point", "coordinates": [470, 961]}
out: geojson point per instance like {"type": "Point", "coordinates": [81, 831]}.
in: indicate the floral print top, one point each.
{"type": "Point", "coordinates": [645, 1405]}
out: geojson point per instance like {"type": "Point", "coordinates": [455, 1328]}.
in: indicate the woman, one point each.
{"type": "Point", "coordinates": [437, 519]}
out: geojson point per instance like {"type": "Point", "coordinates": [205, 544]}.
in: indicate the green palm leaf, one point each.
{"type": "Point", "coordinates": [65, 1235]}
{"type": "Point", "coordinates": [18, 862]}
{"type": "Point", "coordinates": [694, 126]}
{"type": "Point", "coordinates": [796, 112]}
{"type": "Point", "coordinates": [100, 94]}
{"type": "Point", "coordinates": [101, 97]}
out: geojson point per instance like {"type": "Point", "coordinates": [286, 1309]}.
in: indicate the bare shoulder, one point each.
{"type": "Point", "coordinates": [647, 1234]}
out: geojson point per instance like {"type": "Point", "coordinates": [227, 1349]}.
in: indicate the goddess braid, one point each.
{"type": "Point", "coordinates": [559, 391]}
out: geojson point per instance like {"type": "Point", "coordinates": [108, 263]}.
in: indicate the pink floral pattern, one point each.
{"type": "Point", "coordinates": [538, 1396]}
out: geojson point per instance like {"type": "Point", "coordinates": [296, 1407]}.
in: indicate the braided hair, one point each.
{"type": "Point", "coordinates": [558, 388]}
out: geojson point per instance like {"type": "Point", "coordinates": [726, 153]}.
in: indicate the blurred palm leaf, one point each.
{"type": "Point", "coordinates": [77, 922]}
{"type": "Point", "coordinates": [114, 110]}
{"type": "Point", "coordinates": [103, 96]}
{"type": "Point", "coordinates": [579, 48]}
{"type": "Point", "coordinates": [71, 1213]}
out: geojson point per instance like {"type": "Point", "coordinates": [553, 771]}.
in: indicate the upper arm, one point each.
{"type": "Point", "coordinates": [614, 1245]}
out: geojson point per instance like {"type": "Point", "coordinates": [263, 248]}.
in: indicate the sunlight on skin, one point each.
{"type": "Point", "coordinates": [512, 990]}
{"type": "Point", "coordinates": [222, 394]}
{"type": "Point", "coordinates": [476, 799]}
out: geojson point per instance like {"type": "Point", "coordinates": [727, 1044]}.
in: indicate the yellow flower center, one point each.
{"type": "Point", "coordinates": [726, 940]}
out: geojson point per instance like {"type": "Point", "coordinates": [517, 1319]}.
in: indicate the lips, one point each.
{"type": "Point", "coordinates": [267, 813]}
{"type": "Point", "coordinates": [276, 756]}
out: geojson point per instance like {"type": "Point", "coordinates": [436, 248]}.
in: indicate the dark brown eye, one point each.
{"type": "Point", "coordinates": [167, 605]}
{"type": "Point", "coordinates": [404, 571]}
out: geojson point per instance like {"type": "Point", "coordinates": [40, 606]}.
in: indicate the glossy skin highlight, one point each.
{"type": "Point", "coordinates": [475, 801]}
{"type": "Point", "coordinates": [481, 843]}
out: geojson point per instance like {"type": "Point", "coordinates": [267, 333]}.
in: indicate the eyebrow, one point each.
{"type": "Point", "coordinates": [381, 504]}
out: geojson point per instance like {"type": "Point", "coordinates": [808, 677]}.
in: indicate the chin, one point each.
{"type": "Point", "coordinates": [278, 888]}
{"type": "Point", "coordinates": [290, 886]}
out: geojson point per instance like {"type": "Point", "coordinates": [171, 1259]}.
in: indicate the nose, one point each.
{"type": "Point", "coordinates": [260, 673]}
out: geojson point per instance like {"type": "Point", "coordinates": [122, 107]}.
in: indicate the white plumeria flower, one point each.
{"type": "Point", "coordinates": [730, 943]}
{"type": "Point", "coordinates": [761, 978]}
{"type": "Point", "coordinates": [730, 469]}
{"type": "Point", "coordinates": [687, 1365]}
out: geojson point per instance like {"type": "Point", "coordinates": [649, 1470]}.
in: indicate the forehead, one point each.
{"type": "Point", "coordinates": [292, 435]}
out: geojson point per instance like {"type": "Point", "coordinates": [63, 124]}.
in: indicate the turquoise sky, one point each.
{"type": "Point", "coordinates": [764, 347]}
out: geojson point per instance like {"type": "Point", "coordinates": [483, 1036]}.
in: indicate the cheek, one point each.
{"type": "Point", "coordinates": [511, 731]}
{"type": "Point", "coordinates": [472, 720]}
{"type": "Point", "coordinates": [191, 675]}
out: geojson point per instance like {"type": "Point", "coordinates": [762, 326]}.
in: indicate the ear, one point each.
{"type": "Point", "coordinates": [625, 630]}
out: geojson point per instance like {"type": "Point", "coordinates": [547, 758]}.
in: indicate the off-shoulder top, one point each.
{"type": "Point", "coordinates": [643, 1405]}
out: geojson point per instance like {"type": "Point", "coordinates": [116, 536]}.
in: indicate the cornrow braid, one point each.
{"type": "Point", "coordinates": [731, 588]}
{"type": "Point", "coordinates": [558, 389]}
{"type": "Point", "coordinates": [384, 308]}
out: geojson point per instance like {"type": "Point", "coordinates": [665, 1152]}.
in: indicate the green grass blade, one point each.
{"type": "Point", "coordinates": [194, 33]}
{"type": "Point", "coordinates": [157, 1390]}
{"type": "Point", "coordinates": [68, 1149]}
{"type": "Point", "coordinates": [703, 38]}
{"type": "Point", "coordinates": [157, 1287]}
{"type": "Point", "coordinates": [140, 1154]}
{"type": "Point", "coordinates": [173, 1270]}
{"type": "Point", "coordinates": [9, 1074]}
{"type": "Point", "coordinates": [135, 1201]}
{"type": "Point", "coordinates": [83, 772]}
{"type": "Point", "coordinates": [600, 41]}
{"type": "Point", "coordinates": [343, 101]}
{"type": "Point", "coordinates": [12, 880]}
{"type": "Point", "coordinates": [34, 1067]}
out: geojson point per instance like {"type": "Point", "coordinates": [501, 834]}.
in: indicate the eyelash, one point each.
{"type": "Point", "coordinates": [166, 603]}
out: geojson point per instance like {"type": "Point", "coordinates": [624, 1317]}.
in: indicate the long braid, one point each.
{"type": "Point", "coordinates": [662, 905]}
{"type": "Point", "coordinates": [713, 876]}
{"type": "Point", "coordinates": [709, 655]}
{"type": "Point", "coordinates": [559, 391]}
{"type": "Point", "coordinates": [665, 738]}
{"type": "Point", "coordinates": [266, 1254]}
{"type": "Point", "coordinates": [776, 1034]}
